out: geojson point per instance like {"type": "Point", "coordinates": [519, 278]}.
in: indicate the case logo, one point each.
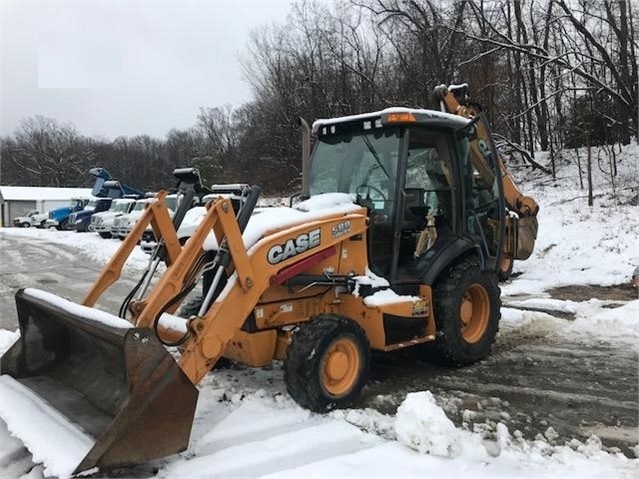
{"type": "Point", "coordinates": [294, 246]}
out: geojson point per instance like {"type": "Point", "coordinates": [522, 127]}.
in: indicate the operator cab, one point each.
{"type": "Point", "coordinates": [428, 201]}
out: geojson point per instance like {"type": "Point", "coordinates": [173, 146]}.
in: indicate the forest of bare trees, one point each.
{"type": "Point", "coordinates": [550, 74]}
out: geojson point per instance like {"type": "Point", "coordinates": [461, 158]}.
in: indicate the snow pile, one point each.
{"type": "Point", "coordinates": [387, 296]}
{"type": "Point", "coordinates": [369, 279]}
{"type": "Point", "coordinates": [50, 437]}
{"type": "Point", "coordinates": [601, 320]}
{"type": "Point", "coordinates": [422, 425]}
{"type": "Point", "coordinates": [620, 323]}
{"type": "Point", "coordinates": [7, 338]}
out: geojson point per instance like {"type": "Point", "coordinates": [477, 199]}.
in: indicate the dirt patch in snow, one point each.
{"type": "Point", "coordinates": [618, 292]}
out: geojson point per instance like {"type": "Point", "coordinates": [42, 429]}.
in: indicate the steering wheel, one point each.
{"type": "Point", "coordinates": [368, 189]}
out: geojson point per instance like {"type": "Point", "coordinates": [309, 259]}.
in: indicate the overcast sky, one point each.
{"type": "Point", "coordinates": [122, 67]}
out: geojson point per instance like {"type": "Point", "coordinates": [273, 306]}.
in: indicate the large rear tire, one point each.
{"type": "Point", "coordinates": [467, 308]}
{"type": "Point", "coordinates": [505, 269]}
{"type": "Point", "coordinates": [327, 363]}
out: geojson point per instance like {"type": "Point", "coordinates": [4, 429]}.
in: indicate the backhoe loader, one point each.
{"type": "Point", "coordinates": [397, 242]}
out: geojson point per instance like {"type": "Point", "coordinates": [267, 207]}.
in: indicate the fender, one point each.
{"type": "Point", "coordinates": [438, 258]}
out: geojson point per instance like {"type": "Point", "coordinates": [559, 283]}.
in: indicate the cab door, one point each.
{"type": "Point", "coordinates": [483, 212]}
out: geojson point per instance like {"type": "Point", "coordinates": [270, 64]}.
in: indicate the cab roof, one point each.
{"type": "Point", "coordinates": [421, 117]}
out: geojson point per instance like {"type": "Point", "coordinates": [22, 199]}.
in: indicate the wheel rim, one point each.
{"type": "Point", "coordinates": [341, 367]}
{"type": "Point", "coordinates": [474, 313]}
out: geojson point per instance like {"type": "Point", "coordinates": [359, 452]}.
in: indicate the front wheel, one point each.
{"type": "Point", "coordinates": [63, 225]}
{"type": "Point", "coordinates": [467, 308]}
{"type": "Point", "coordinates": [105, 235]}
{"type": "Point", "coordinates": [327, 363]}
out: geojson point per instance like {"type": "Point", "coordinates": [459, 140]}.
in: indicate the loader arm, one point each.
{"type": "Point", "coordinates": [250, 274]}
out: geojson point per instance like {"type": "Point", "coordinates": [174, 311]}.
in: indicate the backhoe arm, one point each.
{"type": "Point", "coordinates": [515, 200]}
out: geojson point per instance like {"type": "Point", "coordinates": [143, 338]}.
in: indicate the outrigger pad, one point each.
{"type": "Point", "coordinates": [116, 383]}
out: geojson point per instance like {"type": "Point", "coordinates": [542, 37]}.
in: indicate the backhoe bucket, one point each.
{"type": "Point", "coordinates": [107, 393]}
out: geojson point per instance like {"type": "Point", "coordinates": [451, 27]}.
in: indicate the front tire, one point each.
{"type": "Point", "coordinates": [63, 225]}
{"type": "Point", "coordinates": [105, 235]}
{"type": "Point", "coordinates": [467, 308]}
{"type": "Point", "coordinates": [327, 363]}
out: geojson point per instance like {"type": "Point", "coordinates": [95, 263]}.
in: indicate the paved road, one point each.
{"type": "Point", "coordinates": [535, 379]}
{"type": "Point", "coordinates": [59, 269]}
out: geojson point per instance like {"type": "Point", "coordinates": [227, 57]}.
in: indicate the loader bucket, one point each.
{"type": "Point", "coordinates": [116, 386]}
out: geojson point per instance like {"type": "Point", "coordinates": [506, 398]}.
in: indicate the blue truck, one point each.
{"type": "Point", "coordinates": [81, 220]}
{"type": "Point", "coordinates": [78, 214]}
{"type": "Point", "coordinates": [59, 217]}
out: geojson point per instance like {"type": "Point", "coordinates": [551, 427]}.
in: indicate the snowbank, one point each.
{"type": "Point", "coordinates": [423, 426]}
{"type": "Point", "coordinates": [577, 243]}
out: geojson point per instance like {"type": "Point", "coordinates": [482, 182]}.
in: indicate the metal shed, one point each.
{"type": "Point", "coordinates": [17, 200]}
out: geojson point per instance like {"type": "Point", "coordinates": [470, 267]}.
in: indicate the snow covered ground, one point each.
{"type": "Point", "coordinates": [246, 426]}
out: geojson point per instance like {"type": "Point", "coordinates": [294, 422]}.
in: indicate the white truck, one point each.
{"type": "Point", "coordinates": [123, 225]}
{"type": "Point", "coordinates": [102, 223]}
{"type": "Point", "coordinates": [31, 218]}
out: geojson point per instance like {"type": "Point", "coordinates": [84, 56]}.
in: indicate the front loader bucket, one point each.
{"type": "Point", "coordinates": [86, 377]}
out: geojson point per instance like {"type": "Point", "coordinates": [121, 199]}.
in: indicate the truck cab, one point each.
{"type": "Point", "coordinates": [80, 220]}
{"type": "Point", "coordinates": [59, 217]}
{"type": "Point", "coordinates": [102, 222]}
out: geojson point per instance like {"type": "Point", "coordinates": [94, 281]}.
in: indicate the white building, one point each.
{"type": "Point", "coordinates": [17, 200]}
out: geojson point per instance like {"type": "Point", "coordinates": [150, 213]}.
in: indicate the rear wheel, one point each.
{"type": "Point", "coordinates": [63, 225]}
{"type": "Point", "coordinates": [105, 235]}
{"type": "Point", "coordinates": [505, 268]}
{"type": "Point", "coordinates": [467, 312]}
{"type": "Point", "coordinates": [327, 363]}
{"type": "Point", "coordinates": [24, 224]}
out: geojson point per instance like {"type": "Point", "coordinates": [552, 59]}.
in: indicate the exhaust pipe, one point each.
{"type": "Point", "coordinates": [306, 154]}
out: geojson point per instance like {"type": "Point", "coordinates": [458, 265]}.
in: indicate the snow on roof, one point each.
{"type": "Point", "coordinates": [31, 193]}
{"type": "Point", "coordinates": [429, 113]}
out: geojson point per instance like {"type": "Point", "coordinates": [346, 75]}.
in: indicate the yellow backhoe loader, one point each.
{"type": "Point", "coordinates": [403, 225]}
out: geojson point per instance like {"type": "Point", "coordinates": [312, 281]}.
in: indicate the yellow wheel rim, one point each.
{"type": "Point", "coordinates": [340, 367]}
{"type": "Point", "coordinates": [474, 313]}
